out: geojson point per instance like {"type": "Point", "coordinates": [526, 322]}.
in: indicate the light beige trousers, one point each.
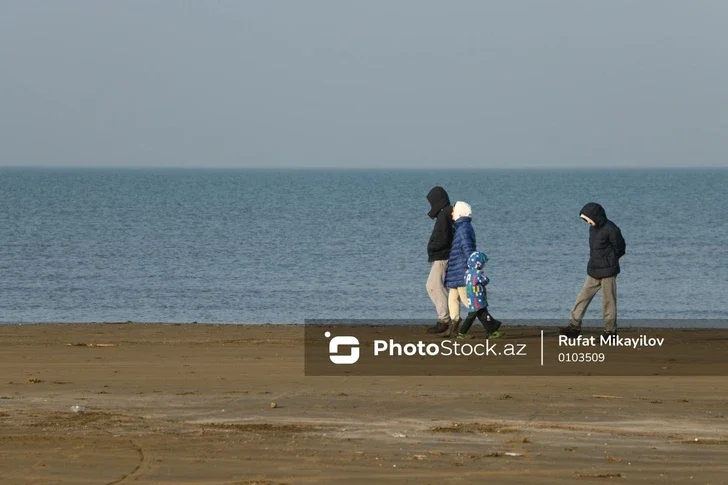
{"type": "Point", "coordinates": [454, 297]}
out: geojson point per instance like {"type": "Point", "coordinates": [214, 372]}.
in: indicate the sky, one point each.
{"type": "Point", "coordinates": [364, 83]}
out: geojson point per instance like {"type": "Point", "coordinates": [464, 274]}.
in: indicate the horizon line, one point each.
{"type": "Point", "coordinates": [361, 169]}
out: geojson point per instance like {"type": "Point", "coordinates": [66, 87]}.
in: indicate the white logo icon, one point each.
{"type": "Point", "coordinates": [343, 341]}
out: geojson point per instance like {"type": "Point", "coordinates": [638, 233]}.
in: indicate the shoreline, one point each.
{"type": "Point", "coordinates": [543, 324]}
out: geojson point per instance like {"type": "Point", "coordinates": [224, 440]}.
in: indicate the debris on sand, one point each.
{"type": "Point", "coordinates": [273, 405]}
{"type": "Point", "coordinates": [599, 475]}
{"type": "Point", "coordinates": [472, 428]}
{"type": "Point", "coordinates": [82, 344]}
{"type": "Point", "coordinates": [33, 380]}
{"type": "Point", "coordinates": [262, 427]}
{"type": "Point", "coordinates": [707, 441]}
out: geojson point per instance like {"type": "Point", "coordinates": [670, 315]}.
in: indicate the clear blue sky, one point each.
{"type": "Point", "coordinates": [364, 83]}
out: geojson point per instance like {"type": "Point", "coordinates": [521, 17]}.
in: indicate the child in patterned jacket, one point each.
{"type": "Point", "coordinates": [475, 283]}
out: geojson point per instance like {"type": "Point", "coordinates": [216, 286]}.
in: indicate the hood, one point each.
{"type": "Point", "coordinates": [461, 209]}
{"type": "Point", "coordinates": [595, 212]}
{"type": "Point", "coordinates": [477, 260]}
{"type": "Point", "coordinates": [438, 199]}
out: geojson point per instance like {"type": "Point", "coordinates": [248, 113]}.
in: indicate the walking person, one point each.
{"type": "Point", "coordinates": [475, 283]}
{"type": "Point", "coordinates": [463, 245]}
{"type": "Point", "coordinates": [438, 252]}
{"type": "Point", "coordinates": [606, 247]}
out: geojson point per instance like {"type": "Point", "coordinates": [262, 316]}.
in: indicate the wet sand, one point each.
{"type": "Point", "coordinates": [191, 404]}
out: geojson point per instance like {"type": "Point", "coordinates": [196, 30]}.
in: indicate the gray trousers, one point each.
{"type": "Point", "coordinates": [609, 301]}
{"type": "Point", "coordinates": [437, 291]}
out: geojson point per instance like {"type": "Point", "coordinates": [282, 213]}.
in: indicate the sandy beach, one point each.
{"type": "Point", "coordinates": [193, 404]}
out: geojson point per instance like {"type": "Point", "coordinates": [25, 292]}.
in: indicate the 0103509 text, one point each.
{"type": "Point", "coordinates": [581, 357]}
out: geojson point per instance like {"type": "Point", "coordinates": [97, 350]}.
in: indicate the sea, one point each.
{"type": "Point", "coordinates": [286, 246]}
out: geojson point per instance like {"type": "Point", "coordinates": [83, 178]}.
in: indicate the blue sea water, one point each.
{"type": "Point", "coordinates": [83, 245]}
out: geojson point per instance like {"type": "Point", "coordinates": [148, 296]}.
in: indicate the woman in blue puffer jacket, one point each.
{"type": "Point", "coordinates": [463, 245]}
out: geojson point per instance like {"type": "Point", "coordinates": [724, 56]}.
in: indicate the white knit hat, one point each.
{"type": "Point", "coordinates": [461, 209]}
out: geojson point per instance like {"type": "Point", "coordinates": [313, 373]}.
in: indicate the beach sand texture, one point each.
{"type": "Point", "coordinates": [192, 404]}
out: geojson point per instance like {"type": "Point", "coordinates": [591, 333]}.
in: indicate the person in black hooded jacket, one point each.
{"type": "Point", "coordinates": [606, 247]}
{"type": "Point", "coordinates": [438, 252]}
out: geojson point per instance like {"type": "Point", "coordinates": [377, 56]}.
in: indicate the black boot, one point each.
{"type": "Point", "coordinates": [570, 331]}
{"type": "Point", "coordinates": [439, 327]}
{"type": "Point", "coordinates": [452, 330]}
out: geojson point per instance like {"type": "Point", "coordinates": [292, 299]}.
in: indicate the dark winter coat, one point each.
{"type": "Point", "coordinates": [438, 248]}
{"type": "Point", "coordinates": [606, 244]}
{"type": "Point", "coordinates": [463, 245]}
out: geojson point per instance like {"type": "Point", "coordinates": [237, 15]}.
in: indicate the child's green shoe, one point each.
{"type": "Point", "coordinates": [495, 335]}
{"type": "Point", "coordinates": [464, 336]}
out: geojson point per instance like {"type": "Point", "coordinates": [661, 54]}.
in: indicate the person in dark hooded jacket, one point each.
{"type": "Point", "coordinates": [438, 252]}
{"type": "Point", "coordinates": [606, 247]}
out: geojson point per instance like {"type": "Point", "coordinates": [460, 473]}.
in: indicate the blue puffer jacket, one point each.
{"type": "Point", "coordinates": [463, 245]}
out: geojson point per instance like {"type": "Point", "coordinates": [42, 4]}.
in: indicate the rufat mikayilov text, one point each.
{"type": "Point", "coordinates": [611, 341]}
{"type": "Point", "coordinates": [447, 348]}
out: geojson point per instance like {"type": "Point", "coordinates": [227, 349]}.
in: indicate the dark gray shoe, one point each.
{"type": "Point", "coordinates": [438, 328]}
{"type": "Point", "coordinates": [570, 331]}
{"type": "Point", "coordinates": [452, 329]}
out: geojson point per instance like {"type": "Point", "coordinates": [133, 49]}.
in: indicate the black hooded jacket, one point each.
{"type": "Point", "coordinates": [606, 244]}
{"type": "Point", "coordinates": [441, 239]}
